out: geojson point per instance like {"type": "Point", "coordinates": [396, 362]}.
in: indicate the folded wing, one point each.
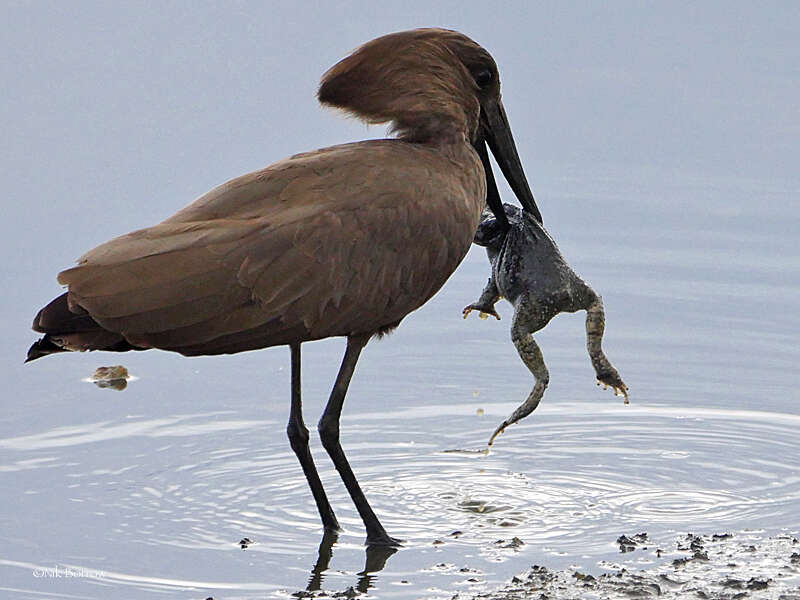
{"type": "Point", "coordinates": [318, 245]}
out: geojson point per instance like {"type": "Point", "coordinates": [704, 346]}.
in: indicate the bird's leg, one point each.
{"type": "Point", "coordinates": [329, 432]}
{"type": "Point", "coordinates": [606, 373]}
{"type": "Point", "coordinates": [529, 317]}
{"type": "Point", "coordinates": [486, 302]}
{"type": "Point", "coordinates": [298, 438]}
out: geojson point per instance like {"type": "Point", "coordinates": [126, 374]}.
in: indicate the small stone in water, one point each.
{"type": "Point", "coordinates": [109, 373]}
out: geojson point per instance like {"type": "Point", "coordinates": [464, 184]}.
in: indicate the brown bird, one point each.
{"type": "Point", "coordinates": [342, 241]}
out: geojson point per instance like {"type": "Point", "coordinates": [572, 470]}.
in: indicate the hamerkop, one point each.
{"type": "Point", "coordinates": [342, 241]}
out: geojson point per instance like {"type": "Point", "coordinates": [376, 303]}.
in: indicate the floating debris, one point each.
{"type": "Point", "coordinates": [115, 377]}
{"type": "Point", "coordinates": [468, 451]}
{"type": "Point", "coordinates": [514, 543]}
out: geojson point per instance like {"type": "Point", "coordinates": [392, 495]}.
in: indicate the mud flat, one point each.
{"type": "Point", "coordinates": [722, 566]}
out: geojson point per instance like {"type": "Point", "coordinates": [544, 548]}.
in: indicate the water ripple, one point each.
{"type": "Point", "coordinates": [565, 481]}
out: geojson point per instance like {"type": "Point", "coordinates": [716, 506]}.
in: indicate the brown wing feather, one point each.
{"type": "Point", "coordinates": [321, 244]}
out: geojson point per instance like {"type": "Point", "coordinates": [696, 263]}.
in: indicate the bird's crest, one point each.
{"type": "Point", "coordinates": [418, 80]}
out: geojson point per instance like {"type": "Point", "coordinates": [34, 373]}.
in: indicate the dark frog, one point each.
{"type": "Point", "coordinates": [529, 271]}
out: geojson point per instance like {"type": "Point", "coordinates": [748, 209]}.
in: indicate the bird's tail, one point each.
{"type": "Point", "coordinates": [72, 330]}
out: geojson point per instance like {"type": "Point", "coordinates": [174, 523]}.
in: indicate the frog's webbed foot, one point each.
{"type": "Point", "coordinates": [524, 409]}
{"type": "Point", "coordinates": [607, 375]}
{"type": "Point", "coordinates": [611, 379]}
{"type": "Point", "coordinates": [498, 431]}
{"type": "Point", "coordinates": [485, 310]}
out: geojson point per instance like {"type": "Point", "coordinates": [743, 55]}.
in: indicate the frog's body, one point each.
{"type": "Point", "coordinates": [529, 271]}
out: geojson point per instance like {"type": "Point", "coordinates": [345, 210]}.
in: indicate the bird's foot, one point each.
{"type": "Point", "coordinates": [332, 527]}
{"type": "Point", "coordinates": [485, 310]}
{"type": "Point", "coordinates": [383, 539]}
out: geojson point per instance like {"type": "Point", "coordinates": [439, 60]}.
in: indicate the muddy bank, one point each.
{"type": "Point", "coordinates": [721, 566]}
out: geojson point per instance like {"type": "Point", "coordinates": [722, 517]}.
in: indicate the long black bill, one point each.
{"type": "Point", "coordinates": [492, 194]}
{"type": "Point", "coordinates": [498, 135]}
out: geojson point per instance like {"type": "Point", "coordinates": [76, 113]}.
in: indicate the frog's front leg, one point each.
{"type": "Point", "coordinates": [486, 302]}
{"type": "Point", "coordinates": [607, 375]}
{"type": "Point", "coordinates": [529, 317]}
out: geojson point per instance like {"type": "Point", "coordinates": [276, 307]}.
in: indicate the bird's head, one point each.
{"type": "Point", "coordinates": [433, 86]}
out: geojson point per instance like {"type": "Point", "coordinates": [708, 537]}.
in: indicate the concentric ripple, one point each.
{"type": "Point", "coordinates": [565, 482]}
{"type": "Point", "coordinates": [573, 475]}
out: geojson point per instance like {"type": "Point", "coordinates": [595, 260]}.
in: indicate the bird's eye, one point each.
{"type": "Point", "coordinates": [483, 78]}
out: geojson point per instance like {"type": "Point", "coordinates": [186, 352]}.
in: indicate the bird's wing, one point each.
{"type": "Point", "coordinates": [308, 248]}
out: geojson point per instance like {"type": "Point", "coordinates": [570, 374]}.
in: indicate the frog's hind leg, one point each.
{"type": "Point", "coordinates": [607, 375]}
{"type": "Point", "coordinates": [529, 317]}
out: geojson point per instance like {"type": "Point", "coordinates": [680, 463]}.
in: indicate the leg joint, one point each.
{"type": "Point", "coordinates": [297, 433]}
{"type": "Point", "coordinates": [328, 428]}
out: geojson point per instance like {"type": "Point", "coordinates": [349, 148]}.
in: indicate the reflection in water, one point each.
{"type": "Point", "coordinates": [323, 560]}
{"type": "Point", "coordinates": [376, 557]}
{"type": "Point", "coordinates": [563, 484]}
{"type": "Point", "coordinates": [375, 562]}
{"type": "Point", "coordinates": [114, 384]}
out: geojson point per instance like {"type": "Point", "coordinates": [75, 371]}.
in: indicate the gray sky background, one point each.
{"type": "Point", "coordinates": [116, 114]}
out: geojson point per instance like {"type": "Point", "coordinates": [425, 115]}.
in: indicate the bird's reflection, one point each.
{"type": "Point", "coordinates": [323, 560]}
{"type": "Point", "coordinates": [376, 557]}
{"type": "Point", "coordinates": [374, 563]}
